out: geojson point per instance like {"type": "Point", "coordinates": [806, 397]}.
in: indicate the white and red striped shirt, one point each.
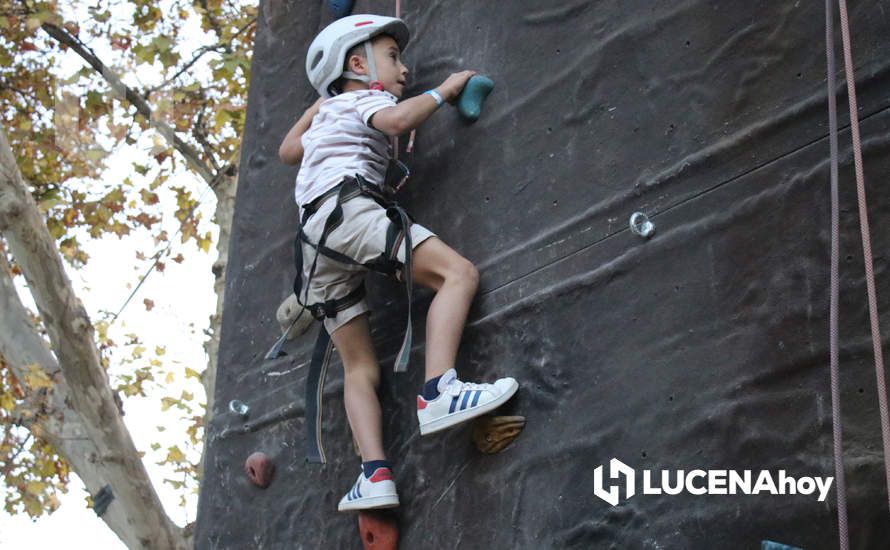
{"type": "Point", "coordinates": [340, 143]}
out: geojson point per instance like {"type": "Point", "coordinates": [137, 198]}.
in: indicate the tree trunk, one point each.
{"type": "Point", "coordinates": [49, 414]}
{"type": "Point", "coordinates": [85, 381]}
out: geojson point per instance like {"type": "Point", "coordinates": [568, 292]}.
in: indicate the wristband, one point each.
{"type": "Point", "coordinates": [437, 96]}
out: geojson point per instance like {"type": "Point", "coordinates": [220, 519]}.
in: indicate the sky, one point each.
{"type": "Point", "coordinates": [183, 302]}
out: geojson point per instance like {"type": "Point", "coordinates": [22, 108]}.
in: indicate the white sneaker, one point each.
{"type": "Point", "coordinates": [460, 401]}
{"type": "Point", "coordinates": [378, 491]}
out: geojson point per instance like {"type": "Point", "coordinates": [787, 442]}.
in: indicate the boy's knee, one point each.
{"type": "Point", "coordinates": [465, 272]}
{"type": "Point", "coordinates": [363, 374]}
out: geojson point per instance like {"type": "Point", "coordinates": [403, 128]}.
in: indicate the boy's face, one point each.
{"type": "Point", "coordinates": [390, 70]}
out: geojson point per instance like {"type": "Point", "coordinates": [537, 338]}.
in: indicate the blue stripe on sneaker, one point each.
{"type": "Point", "coordinates": [453, 405]}
{"type": "Point", "coordinates": [358, 491]}
{"type": "Point", "coordinates": [463, 404]}
{"type": "Point", "coordinates": [476, 398]}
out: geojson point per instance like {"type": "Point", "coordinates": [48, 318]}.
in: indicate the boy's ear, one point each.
{"type": "Point", "coordinates": [357, 64]}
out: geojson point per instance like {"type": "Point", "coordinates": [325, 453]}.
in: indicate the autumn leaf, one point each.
{"type": "Point", "coordinates": [36, 378]}
{"type": "Point", "coordinates": [205, 242]}
{"type": "Point", "coordinates": [149, 304]}
{"type": "Point", "coordinates": [175, 455]}
{"type": "Point", "coordinates": [7, 402]}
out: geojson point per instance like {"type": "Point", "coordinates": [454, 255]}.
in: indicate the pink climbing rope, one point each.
{"type": "Point", "coordinates": [837, 429]}
{"type": "Point", "coordinates": [866, 242]}
{"type": "Point", "coordinates": [410, 147]}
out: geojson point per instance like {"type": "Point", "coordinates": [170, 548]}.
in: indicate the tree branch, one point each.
{"type": "Point", "coordinates": [192, 156]}
{"type": "Point", "coordinates": [198, 55]}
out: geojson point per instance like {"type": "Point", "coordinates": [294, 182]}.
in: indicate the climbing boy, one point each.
{"type": "Point", "coordinates": [342, 140]}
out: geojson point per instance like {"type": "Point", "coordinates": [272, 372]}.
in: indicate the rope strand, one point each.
{"type": "Point", "coordinates": [866, 242]}
{"type": "Point", "coordinates": [837, 428]}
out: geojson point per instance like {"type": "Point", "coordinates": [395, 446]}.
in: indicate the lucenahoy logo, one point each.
{"type": "Point", "coordinates": [706, 482]}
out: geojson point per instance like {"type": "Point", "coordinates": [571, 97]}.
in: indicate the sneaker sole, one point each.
{"type": "Point", "coordinates": [370, 503]}
{"type": "Point", "coordinates": [459, 417]}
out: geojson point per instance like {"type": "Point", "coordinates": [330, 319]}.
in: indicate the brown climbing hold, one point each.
{"type": "Point", "coordinates": [259, 469]}
{"type": "Point", "coordinates": [493, 433]}
{"type": "Point", "coordinates": [378, 530]}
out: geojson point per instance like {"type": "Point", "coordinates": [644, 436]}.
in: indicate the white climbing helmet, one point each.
{"type": "Point", "coordinates": [324, 61]}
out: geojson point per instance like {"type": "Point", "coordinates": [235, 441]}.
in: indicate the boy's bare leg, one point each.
{"type": "Point", "coordinates": [360, 382]}
{"type": "Point", "coordinates": [455, 280]}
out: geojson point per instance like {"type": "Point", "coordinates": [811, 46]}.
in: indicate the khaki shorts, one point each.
{"type": "Point", "coordinates": [362, 237]}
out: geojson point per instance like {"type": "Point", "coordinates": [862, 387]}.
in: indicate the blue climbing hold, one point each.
{"type": "Point", "coordinates": [340, 8]}
{"type": "Point", "coordinates": [770, 545]}
{"type": "Point", "coordinates": [469, 104]}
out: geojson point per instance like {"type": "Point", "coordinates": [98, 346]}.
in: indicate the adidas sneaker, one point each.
{"type": "Point", "coordinates": [460, 401]}
{"type": "Point", "coordinates": [378, 491]}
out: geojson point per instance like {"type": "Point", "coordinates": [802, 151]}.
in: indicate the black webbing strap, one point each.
{"type": "Point", "coordinates": [399, 217]}
{"type": "Point", "coordinates": [318, 367]}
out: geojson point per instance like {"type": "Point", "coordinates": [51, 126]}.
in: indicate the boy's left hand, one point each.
{"type": "Point", "coordinates": [454, 85]}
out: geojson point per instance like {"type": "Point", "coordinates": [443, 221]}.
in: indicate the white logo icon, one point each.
{"type": "Point", "coordinates": [616, 470]}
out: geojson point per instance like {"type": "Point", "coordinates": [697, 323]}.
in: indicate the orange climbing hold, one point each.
{"type": "Point", "coordinates": [378, 530]}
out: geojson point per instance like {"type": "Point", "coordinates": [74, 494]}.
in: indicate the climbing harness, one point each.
{"type": "Point", "coordinates": [387, 263]}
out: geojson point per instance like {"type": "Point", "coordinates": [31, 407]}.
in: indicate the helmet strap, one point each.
{"type": "Point", "coordinates": [371, 77]}
{"type": "Point", "coordinates": [372, 65]}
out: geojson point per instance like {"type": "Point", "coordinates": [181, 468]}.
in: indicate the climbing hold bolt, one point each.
{"type": "Point", "coordinates": [492, 434]}
{"type": "Point", "coordinates": [477, 88]}
{"type": "Point", "coordinates": [239, 408]}
{"type": "Point", "coordinates": [259, 469]}
{"type": "Point", "coordinates": [378, 531]}
{"type": "Point", "coordinates": [640, 225]}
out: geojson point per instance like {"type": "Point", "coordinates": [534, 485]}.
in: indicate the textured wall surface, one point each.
{"type": "Point", "coordinates": [704, 347]}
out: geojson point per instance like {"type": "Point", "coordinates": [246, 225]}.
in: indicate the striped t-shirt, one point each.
{"type": "Point", "coordinates": [340, 143]}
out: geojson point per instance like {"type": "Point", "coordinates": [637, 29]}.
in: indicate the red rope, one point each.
{"type": "Point", "coordinates": [866, 242]}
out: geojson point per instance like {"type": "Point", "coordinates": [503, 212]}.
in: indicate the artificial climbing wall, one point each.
{"type": "Point", "coordinates": [705, 346]}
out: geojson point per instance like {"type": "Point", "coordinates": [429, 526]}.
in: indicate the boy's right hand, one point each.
{"type": "Point", "coordinates": [454, 85]}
